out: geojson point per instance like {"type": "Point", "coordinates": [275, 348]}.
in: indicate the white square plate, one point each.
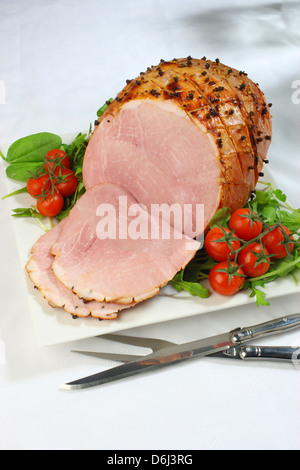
{"type": "Point", "coordinates": [53, 326]}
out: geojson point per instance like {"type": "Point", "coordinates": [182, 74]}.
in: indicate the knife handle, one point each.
{"type": "Point", "coordinates": [284, 353]}
{"type": "Point", "coordinates": [276, 326]}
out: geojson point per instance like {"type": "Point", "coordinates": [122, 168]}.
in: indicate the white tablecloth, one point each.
{"type": "Point", "coordinates": [59, 61]}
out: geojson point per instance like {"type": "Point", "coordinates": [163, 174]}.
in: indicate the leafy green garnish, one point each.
{"type": "Point", "coordinates": [15, 193]}
{"type": "Point", "coordinates": [220, 218]}
{"type": "Point", "coordinates": [26, 155]}
{"type": "Point", "coordinates": [32, 148]}
{"type": "Point", "coordinates": [22, 171]}
{"type": "Point", "coordinates": [103, 108]}
{"type": "Point", "coordinates": [30, 212]}
{"type": "Point", "coordinates": [271, 204]}
{"type": "Point", "coordinates": [26, 212]}
{"type": "Point", "coordinates": [258, 294]}
{"type": "Point", "coordinates": [193, 288]}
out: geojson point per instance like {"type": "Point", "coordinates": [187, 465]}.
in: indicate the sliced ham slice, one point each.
{"type": "Point", "coordinates": [40, 272]}
{"type": "Point", "coordinates": [121, 268]}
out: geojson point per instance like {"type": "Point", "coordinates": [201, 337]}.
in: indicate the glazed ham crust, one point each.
{"type": "Point", "coordinates": [223, 103]}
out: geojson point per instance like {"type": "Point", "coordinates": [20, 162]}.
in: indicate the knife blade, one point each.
{"type": "Point", "coordinates": [161, 358]}
{"type": "Point", "coordinates": [178, 353]}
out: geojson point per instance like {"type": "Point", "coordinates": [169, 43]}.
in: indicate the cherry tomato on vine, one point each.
{"type": "Point", "coordinates": [220, 281]}
{"type": "Point", "coordinates": [273, 241]}
{"type": "Point", "coordinates": [57, 157]}
{"type": "Point", "coordinates": [249, 260]}
{"type": "Point", "coordinates": [51, 205]}
{"type": "Point", "coordinates": [36, 186]}
{"type": "Point", "coordinates": [220, 250]}
{"type": "Point", "coordinates": [69, 184]}
{"type": "Point", "coordinates": [244, 227]}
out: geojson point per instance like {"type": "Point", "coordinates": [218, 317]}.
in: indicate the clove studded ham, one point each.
{"type": "Point", "coordinates": [185, 133]}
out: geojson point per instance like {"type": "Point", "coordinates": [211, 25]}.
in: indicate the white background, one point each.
{"type": "Point", "coordinates": [59, 61]}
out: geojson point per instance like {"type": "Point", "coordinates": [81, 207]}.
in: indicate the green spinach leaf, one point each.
{"type": "Point", "coordinates": [22, 171]}
{"type": "Point", "coordinates": [32, 148]}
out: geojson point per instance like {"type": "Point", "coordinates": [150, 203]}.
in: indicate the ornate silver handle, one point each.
{"type": "Point", "coordinates": [272, 327]}
{"type": "Point", "coordinates": [284, 353]}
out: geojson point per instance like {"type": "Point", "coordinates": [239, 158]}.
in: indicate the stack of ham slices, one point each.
{"type": "Point", "coordinates": [187, 132]}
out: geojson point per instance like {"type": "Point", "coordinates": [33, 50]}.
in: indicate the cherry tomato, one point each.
{"type": "Point", "coordinates": [69, 184]}
{"type": "Point", "coordinates": [248, 260]}
{"type": "Point", "coordinates": [219, 281]}
{"type": "Point", "coordinates": [273, 241]}
{"type": "Point", "coordinates": [35, 186]}
{"type": "Point", "coordinates": [245, 228]}
{"type": "Point", "coordinates": [51, 205]}
{"type": "Point", "coordinates": [57, 156]}
{"type": "Point", "coordinates": [219, 251]}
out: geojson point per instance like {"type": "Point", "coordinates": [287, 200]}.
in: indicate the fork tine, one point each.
{"type": "Point", "coordinates": [152, 343]}
{"type": "Point", "coordinates": [108, 356]}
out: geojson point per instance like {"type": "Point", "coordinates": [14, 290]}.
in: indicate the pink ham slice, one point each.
{"type": "Point", "coordinates": [125, 266]}
{"type": "Point", "coordinates": [40, 272]}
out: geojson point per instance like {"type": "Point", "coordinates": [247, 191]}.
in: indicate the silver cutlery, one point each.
{"type": "Point", "coordinates": [165, 353]}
